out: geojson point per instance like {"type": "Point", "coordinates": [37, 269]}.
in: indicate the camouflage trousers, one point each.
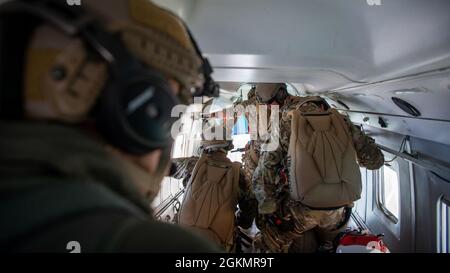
{"type": "Point", "coordinates": [326, 224]}
{"type": "Point", "coordinates": [249, 165]}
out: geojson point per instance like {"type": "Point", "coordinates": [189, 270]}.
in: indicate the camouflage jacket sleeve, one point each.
{"type": "Point", "coordinates": [367, 152]}
{"type": "Point", "coordinates": [248, 206]}
{"type": "Point", "coordinates": [266, 179]}
{"type": "Point", "coordinates": [184, 167]}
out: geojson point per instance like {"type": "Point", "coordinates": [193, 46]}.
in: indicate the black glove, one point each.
{"type": "Point", "coordinates": [243, 221]}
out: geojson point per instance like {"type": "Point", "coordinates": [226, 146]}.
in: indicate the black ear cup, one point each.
{"type": "Point", "coordinates": [134, 109]}
{"type": "Point", "coordinates": [281, 94]}
{"type": "Point", "coordinates": [135, 114]}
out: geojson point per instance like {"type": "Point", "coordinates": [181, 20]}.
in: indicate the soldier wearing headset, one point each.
{"type": "Point", "coordinates": [85, 100]}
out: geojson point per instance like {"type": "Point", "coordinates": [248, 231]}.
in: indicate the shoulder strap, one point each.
{"type": "Point", "coordinates": [27, 211]}
{"type": "Point", "coordinates": [236, 168]}
{"type": "Point", "coordinates": [302, 101]}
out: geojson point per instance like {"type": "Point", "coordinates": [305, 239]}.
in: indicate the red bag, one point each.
{"type": "Point", "coordinates": [360, 242]}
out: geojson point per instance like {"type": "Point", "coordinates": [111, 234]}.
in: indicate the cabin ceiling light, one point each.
{"type": "Point", "coordinates": [367, 95]}
{"type": "Point", "coordinates": [410, 91]}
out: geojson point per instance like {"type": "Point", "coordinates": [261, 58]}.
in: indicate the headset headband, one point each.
{"type": "Point", "coordinates": [136, 131]}
{"type": "Point", "coordinates": [210, 88]}
{"type": "Point", "coordinates": [84, 25]}
{"type": "Point", "coordinates": [78, 23]}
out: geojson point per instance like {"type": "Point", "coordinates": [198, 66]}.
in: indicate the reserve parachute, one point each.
{"type": "Point", "coordinates": [211, 197]}
{"type": "Point", "coordinates": [323, 172]}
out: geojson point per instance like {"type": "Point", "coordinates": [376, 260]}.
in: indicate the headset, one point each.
{"type": "Point", "coordinates": [134, 109]}
{"type": "Point", "coordinates": [210, 88]}
{"type": "Point", "coordinates": [279, 96]}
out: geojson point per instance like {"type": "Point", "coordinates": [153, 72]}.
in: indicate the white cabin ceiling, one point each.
{"type": "Point", "coordinates": [324, 44]}
{"type": "Point", "coordinates": [346, 50]}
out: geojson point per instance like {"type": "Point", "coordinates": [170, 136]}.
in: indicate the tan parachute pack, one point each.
{"type": "Point", "coordinates": [210, 200]}
{"type": "Point", "coordinates": [323, 172]}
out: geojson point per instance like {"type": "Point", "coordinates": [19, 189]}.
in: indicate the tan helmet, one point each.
{"type": "Point", "coordinates": [214, 145]}
{"type": "Point", "coordinates": [155, 36]}
{"type": "Point", "coordinates": [267, 92]}
{"type": "Point", "coordinates": [214, 142]}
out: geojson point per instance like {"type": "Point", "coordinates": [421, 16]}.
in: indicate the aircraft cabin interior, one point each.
{"type": "Point", "coordinates": [386, 66]}
{"type": "Point", "coordinates": [381, 65]}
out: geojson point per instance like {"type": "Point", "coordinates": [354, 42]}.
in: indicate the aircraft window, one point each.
{"type": "Point", "coordinates": [242, 92]}
{"type": "Point", "coordinates": [241, 126]}
{"type": "Point", "coordinates": [225, 100]}
{"type": "Point", "coordinates": [443, 225]}
{"type": "Point", "coordinates": [239, 141]}
{"type": "Point", "coordinates": [388, 192]}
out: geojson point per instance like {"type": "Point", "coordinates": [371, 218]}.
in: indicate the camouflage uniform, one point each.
{"type": "Point", "coordinates": [250, 157]}
{"type": "Point", "coordinates": [271, 188]}
{"type": "Point", "coordinates": [246, 198]}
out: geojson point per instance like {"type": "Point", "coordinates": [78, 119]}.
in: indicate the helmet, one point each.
{"type": "Point", "coordinates": [113, 57]}
{"type": "Point", "coordinates": [270, 92]}
{"type": "Point", "coordinates": [214, 141]}
{"type": "Point", "coordinates": [54, 59]}
{"type": "Point", "coordinates": [214, 145]}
